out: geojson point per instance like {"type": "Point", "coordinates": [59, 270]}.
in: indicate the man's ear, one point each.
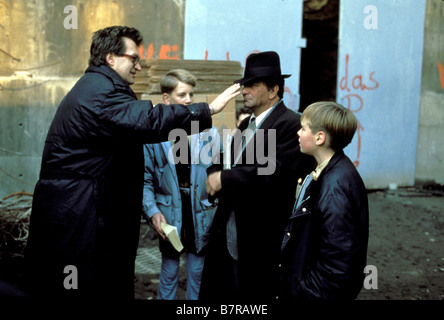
{"type": "Point", "coordinates": [110, 59]}
{"type": "Point", "coordinates": [166, 98]}
{"type": "Point", "coordinates": [274, 92]}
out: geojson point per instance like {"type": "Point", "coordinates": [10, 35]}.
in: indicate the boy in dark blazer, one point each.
{"type": "Point", "coordinates": [325, 242]}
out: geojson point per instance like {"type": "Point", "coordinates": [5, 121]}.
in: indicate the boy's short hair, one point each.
{"type": "Point", "coordinates": [169, 81]}
{"type": "Point", "coordinates": [338, 122]}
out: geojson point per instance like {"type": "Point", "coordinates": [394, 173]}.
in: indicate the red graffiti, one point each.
{"type": "Point", "coordinates": [351, 98]}
{"type": "Point", "coordinates": [227, 55]}
{"type": "Point", "coordinates": [166, 52]}
{"type": "Point", "coordinates": [441, 73]}
{"type": "Point", "coordinates": [354, 101]}
{"type": "Point", "coordinates": [357, 82]}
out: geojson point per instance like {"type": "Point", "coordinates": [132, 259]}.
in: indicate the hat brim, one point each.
{"type": "Point", "coordinates": [246, 80]}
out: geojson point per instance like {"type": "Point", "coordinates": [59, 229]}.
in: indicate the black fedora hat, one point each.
{"type": "Point", "coordinates": [262, 65]}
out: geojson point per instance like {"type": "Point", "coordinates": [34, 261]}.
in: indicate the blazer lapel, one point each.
{"type": "Point", "coordinates": [266, 124]}
{"type": "Point", "coordinates": [273, 116]}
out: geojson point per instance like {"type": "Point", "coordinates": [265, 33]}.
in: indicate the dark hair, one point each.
{"type": "Point", "coordinates": [279, 81]}
{"type": "Point", "coordinates": [109, 40]}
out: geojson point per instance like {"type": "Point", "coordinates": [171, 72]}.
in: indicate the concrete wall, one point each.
{"type": "Point", "coordinates": [42, 56]}
{"type": "Point", "coordinates": [430, 148]}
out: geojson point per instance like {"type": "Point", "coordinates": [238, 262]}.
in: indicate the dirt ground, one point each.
{"type": "Point", "coordinates": [406, 245]}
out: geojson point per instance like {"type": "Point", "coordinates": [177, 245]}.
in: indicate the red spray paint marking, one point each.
{"type": "Point", "coordinates": [357, 83]}
{"type": "Point", "coordinates": [441, 73]}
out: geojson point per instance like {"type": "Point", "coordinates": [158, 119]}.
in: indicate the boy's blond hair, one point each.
{"type": "Point", "coordinates": [338, 122]}
{"type": "Point", "coordinates": [170, 81]}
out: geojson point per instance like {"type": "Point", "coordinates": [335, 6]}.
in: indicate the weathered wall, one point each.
{"type": "Point", "coordinates": [41, 59]}
{"type": "Point", "coordinates": [430, 149]}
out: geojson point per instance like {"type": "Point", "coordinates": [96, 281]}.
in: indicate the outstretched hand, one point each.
{"type": "Point", "coordinates": [222, 100]}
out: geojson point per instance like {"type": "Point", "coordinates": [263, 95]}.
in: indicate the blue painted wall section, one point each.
{"type": "Point", "coordinates": [232, 29]}
{"type": "Point", "coordinates": [379, 79]}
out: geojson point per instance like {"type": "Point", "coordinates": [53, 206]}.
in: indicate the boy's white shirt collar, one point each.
{"type": "Point", "coordinates": [317, 172]}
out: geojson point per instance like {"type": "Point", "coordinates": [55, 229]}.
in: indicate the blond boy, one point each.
{"type": "Point", "coordinates": [324, 246]}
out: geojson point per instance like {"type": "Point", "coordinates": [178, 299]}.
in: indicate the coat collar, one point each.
{"type": "Point", "coordinates": [111, 74]}
{"type": "Point", "coordinates": [336, 157]}
{"type": "Point", "coordinates": [274, 115]}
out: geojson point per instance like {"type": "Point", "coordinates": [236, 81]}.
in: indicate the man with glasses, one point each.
{"type": "Point", "coordinates": [87, 204]}
{"type": "Point", "coordinates": [175, 192]}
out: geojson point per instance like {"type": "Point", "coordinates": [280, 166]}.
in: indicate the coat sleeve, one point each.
{"type": "Point", "coordinates": [139, 121]}
{"type": "Point", "coordinates": [149, 199]}
{"type": "Point", "coordinates": [116, 114]}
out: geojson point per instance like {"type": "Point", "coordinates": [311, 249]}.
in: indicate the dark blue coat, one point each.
{"type": "Point", "coordinates": [325, 242]}
{"type": "Point", "coordinates": [87, 203]}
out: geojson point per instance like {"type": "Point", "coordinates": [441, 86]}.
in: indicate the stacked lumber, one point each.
{"type": "Point", "coordinates": [211, 76]}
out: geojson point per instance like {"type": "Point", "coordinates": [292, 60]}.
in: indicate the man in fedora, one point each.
{"type": "Point", "coordinates": [244, 246]}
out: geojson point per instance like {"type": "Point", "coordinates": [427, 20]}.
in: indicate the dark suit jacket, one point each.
{"type": "Point", "coordinates": [262, 204]}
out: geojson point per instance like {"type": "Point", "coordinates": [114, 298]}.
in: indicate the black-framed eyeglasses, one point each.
{"type": "Point", "coordinates": [135, 59]}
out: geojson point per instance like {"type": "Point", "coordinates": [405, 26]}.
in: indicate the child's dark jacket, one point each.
{"type": "Point", "coordinates": [324, 247]}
